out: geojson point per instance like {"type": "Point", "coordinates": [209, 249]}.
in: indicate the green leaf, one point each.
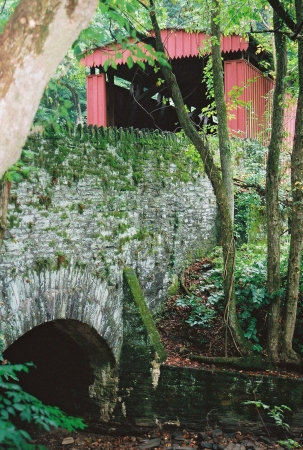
{"type": "Point", "coordinates": [141, 64]}
{"type": "Point", "coordinates": [4, 414]}
{"type": "Point", "coordinates": [10, 410]}
{"type": "Point", "coordinates": [106, 65]}
{"type": "Point", "coordinates": [129, 62]}
{"type": "Point", "coordinates": [19, 406]}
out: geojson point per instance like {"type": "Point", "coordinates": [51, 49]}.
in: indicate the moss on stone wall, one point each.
{"type": "Point", "coordinates": [119, 157]}
{"type": "Point", "coordinates": [102, 199]}
{"type": "Point", "coordinates": [138, 298]}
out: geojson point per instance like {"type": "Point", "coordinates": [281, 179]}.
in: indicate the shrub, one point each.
{"type": "Point", "coordinates": [200, 314]}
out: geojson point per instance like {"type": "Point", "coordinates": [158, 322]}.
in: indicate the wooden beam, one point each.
{"type": "Point", "coordinates": [110, 98]}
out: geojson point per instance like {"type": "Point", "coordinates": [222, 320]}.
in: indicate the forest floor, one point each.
{"type": "Point", "coordinates": [180, 339]}
{"type": "Point", "coordinates": [165, 440]}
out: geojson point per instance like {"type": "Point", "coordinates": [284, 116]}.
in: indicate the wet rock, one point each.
{"type": "Point", "coordinates": [202, 436]}
{"type": "Point", "coordinates": [248, 444]}
{"type": "Point", "coordinates": [183, 447]}
{"type": "Point", "coordinates": [216, 433]}
{"type": "Point", "coordinates": [176, 435]}
{"type": "Point", "coordinates": [230, 435]}
{"type": "Point", "coordinates": [206, 445]}
{"type": "Point", "coordinates": [181, 439]}
{"type": "Point", "coordinates": [265, 439]}
{"type": "Point", "coordinates": [68, 440]}
{"type": "Point", "coordinates": [152, 435]}
{"type": "Point", "coordinates": [239, 437]}
{"type": "Point", "coordinates": [152, 443]}
{"type": "Point", "coordinates": [231, 446]}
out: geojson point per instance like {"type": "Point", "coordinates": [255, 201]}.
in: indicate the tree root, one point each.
{"type": "Point", "coordinates": [291, 358]}
{"type": "Point", "coordinates": [187, 292]}
{"type": "Point", "coordinates": [254, 362]}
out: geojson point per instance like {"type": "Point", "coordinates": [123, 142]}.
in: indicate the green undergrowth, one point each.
{"type": "Point", "coordinates": [206, 303]}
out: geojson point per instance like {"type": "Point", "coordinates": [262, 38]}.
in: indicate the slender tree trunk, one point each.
{"type": "Point", "coordinates": [272, 196]}
{"type": "Point", "coordinates": [295, 252]}
{"type": "Point", "coordinates": [229, 250]}
{"type": "Point", "coordinates": [76, 102]}
{"type": "Point", "coordinates": [77, 106]}
{"type": "Point", "coordinates": [224, 143]}
{"type": "Point", "coordinates": [215, 178]}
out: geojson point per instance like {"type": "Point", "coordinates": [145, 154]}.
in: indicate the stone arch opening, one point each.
{"type": "Point", "coordinates": [74, 366]}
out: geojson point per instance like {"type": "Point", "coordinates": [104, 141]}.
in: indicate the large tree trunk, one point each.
{"type": "Point", "coordinates": [224, 143]}
{"type": "Point", "coordinates": [32, 44]}
{"type": "Point", "coordinates": [295, 252]}
{"type": "Point", "coordinates": [272, 196]}
{"type": "Point", "coordinates": [215, 178]}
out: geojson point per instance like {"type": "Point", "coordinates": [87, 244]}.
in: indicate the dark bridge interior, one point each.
{"type": "Point", "coordinates": [63, 374]}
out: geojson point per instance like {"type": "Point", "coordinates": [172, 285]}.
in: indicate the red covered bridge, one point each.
{"type": "Point", "coordinates": [125, 97]}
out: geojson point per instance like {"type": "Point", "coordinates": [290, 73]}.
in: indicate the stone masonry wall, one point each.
{"type": "Point", "coordinates": [98, 201]}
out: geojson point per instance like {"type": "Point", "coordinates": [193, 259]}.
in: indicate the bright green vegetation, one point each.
{"type": "Point", "coordinates": [250, 285]}
{"type": "Point", "coordinates": [200, 314]}
{"type": "Point", "coordinates": [276, 413]}
{"type": "Point", "coordinates": [252, 296]}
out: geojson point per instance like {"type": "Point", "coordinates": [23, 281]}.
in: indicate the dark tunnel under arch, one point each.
{"type": "Point", "coordinates": [66, 353]}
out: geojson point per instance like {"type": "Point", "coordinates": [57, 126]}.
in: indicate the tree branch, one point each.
{"type": "Point", "coordinates": [283, 14]}
{"type": "Point", "coordinates": [3, 6]}
{"type": "Point", "coordinates": [297, 32]}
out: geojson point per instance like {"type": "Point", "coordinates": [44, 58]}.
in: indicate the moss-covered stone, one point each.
{"type": "Point", "coordinates": [174, 286]}
{"type": "Point", "coordinates": [139, 300]}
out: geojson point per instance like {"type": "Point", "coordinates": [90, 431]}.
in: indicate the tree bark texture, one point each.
{"type": "Point", "coordinates": [76, 102]}
{"type": "Point", "coordinates": [272, 195]}
{"type": "Point", "coordinates": [215, 178]}
{"type": "Point", "coordinates": [224, 143]}
{"type": "Point", "coordinates": [32, 44]}
{"type": "Point", "coordinates": [295, 252]}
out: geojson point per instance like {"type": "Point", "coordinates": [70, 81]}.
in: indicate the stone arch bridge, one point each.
{"type": "Point", "coordinates": [99, 201]}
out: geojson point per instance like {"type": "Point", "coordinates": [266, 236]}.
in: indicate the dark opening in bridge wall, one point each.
{"type": "Point", "coordinates": [63, 371]}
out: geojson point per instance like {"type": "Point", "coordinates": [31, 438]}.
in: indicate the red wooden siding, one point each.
{"type": "Point", "coordinates": [96, 100]}
{"type": "Point", "coordinates": [178, 44]}
{"type": "Point", "coordinates": [254, 119]}
{"type": "Point", "coordinates": [251, 120]}
{"type": "Point", "coordinates": [234, 73]}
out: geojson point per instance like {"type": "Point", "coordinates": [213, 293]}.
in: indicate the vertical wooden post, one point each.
{"type": "Point", "coordinates": [96, 100]}
{"type": "Point", "coordinates": [110, 98]}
